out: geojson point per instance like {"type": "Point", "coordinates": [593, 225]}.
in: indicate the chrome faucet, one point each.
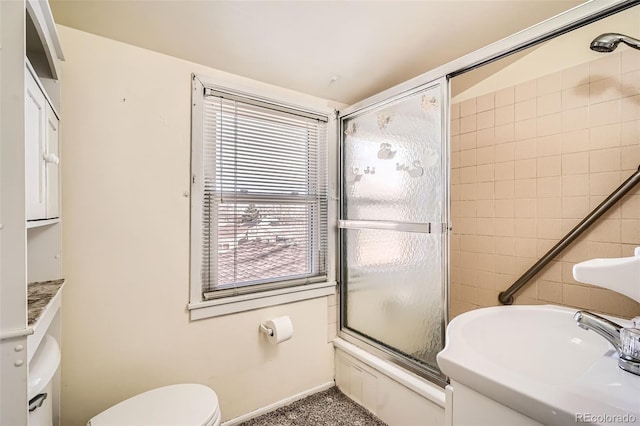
{"type": "Point", "coordinates": [626, 340]}
{"type": "Point", "coordinates": [607, 329]}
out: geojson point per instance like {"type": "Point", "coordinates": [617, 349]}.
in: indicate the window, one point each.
{"type": "Point", "coordinates": [259, 204]}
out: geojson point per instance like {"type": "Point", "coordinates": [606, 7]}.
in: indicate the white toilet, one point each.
{"type": "Point", "coordinates": [175, 405]}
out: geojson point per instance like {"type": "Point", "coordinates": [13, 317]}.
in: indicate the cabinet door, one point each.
{"type": "Point", "coordinates": [35, 131]}
{"type": "Point", "coordinates": [52, 164]}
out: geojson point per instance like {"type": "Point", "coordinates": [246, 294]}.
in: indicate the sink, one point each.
{"type": "Point", "coordinates": [537, 361]}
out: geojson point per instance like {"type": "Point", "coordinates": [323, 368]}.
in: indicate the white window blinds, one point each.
{"type": "Point", "coordinates": [265, 195]}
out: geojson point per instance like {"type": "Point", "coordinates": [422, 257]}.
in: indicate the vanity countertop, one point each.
{"type": "Point", "coordinates": [40, 295]}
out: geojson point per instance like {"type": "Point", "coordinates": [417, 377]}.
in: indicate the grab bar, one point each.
{"type": "Point", "coordinates": [506, 297]}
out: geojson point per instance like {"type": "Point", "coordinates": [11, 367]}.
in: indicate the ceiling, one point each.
{"type": "Point", "coordinates": [339, 50]}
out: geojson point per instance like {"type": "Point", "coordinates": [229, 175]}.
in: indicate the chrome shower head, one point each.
{"type": "Point", "coordinates": [608, 42]}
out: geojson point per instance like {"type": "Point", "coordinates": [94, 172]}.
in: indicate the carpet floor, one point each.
{"type": "Point", "coordinates": [327, 408]}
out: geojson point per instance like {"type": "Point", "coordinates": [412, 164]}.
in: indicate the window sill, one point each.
{"type": "Point", "coordinates": [247, 302]}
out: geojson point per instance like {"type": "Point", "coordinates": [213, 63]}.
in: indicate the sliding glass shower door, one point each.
{"type": "Point", "coordinates": [393, 227]}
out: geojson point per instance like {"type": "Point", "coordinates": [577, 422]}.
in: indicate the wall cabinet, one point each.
{"type": "Point", "coordinates": [41, 153]}
{"type": "Point", "coordinates": [52, 161]}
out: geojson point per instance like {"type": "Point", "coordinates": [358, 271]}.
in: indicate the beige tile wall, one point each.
{"type": "Point", "coordinates": [528, 163]}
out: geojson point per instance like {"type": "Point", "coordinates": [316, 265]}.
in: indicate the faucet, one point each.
{"type": "Point", "coordinates": [626, 340]}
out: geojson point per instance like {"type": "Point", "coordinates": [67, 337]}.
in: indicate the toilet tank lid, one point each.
{"type": "Point", "coordinates": [182, 404]}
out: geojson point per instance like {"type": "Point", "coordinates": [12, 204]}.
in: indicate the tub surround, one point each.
{"type": "Point", "coordinates": [528, 163]}
{"type": "Point", "coordinates": [40, 295]}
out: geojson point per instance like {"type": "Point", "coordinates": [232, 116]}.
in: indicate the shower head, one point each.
{"type": "Point", "coordinates": [608, 42]}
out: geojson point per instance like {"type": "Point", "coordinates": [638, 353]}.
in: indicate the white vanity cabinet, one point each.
{"type": "Point", "coordinates": [41, 153]}
{"type": "Point", "coordinates": [471, 408]}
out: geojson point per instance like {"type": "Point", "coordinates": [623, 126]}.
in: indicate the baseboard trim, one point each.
{"type": "Point", "coordinates": [278, 404]}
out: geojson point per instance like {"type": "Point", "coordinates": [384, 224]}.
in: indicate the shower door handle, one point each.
{"type": "Point", "coordinates": [425, 228]}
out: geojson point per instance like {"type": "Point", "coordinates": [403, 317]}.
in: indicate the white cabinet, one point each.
{"type": "Point", "coordinates": [29, 192]}
{"type": "Point", "coordinates": [41, 153]}
{"type": "Point", "coordinates": [35, 175]}
{"type": "Point", "coordinates": [52, 161]}
{"type": "Point", "coordinates": [471, 408]}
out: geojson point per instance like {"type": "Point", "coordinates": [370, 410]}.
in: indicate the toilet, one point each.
{"type": "Point", "coordinates": [175, 405]}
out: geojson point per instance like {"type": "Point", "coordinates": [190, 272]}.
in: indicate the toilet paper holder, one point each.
{"type": "Point", "coordinates": [266, 330]}
{"type": "Point", "coordinates": [277, 330]}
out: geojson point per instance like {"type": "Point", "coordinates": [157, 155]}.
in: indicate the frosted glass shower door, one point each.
{"type": "Point", "coordinates": [393, 225]}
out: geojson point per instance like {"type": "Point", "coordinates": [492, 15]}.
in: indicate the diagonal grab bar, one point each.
{"type": "Point", "coordinates": [506, 297]}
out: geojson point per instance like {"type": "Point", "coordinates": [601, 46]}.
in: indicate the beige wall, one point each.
{"type": "Point", "coordinates": [125, 163]}
{"type": "Point", "coordinates": [529, 161]}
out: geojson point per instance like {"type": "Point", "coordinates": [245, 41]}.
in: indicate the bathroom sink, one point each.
{"type": "Point", "coordinates": [537, 361]}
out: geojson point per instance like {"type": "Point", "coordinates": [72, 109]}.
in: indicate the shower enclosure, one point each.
{"type": "Point", "coordinates": [393, 227]}
{"type": "Point", "coordinates": [395, 185]}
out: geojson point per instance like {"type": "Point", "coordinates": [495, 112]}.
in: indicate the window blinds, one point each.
{"type": "Point", "coordinates": [265, 195]}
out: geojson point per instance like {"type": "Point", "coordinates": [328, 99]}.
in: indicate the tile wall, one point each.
{"type": "Point", "coordinates": [528, 163]}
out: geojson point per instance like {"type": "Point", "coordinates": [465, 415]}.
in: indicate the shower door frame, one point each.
{"type": "Point", "coordinates": [574, 18]}
{"type": "Point", "coordinates": [353, 336]}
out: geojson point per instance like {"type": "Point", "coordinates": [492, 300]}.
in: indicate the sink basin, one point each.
{"type": "Point", "coordinates": [536, 360]}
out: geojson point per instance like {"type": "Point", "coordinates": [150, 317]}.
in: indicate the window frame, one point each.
{"type": "Point", "coordinates": [263, 296]}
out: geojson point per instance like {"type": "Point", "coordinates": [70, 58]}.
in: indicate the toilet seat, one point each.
{"type": "Point", "coordinates": [175, 405]}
